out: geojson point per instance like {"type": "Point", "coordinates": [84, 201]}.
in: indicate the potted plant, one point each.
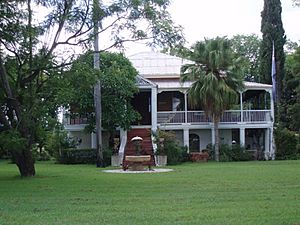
{"type": "Point", "coordinates": [115, 158]}
{"type": "Point", "coordinates": [160, 154]}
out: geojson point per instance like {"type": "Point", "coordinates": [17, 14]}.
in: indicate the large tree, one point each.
{"type": "Point", "coordinates": [118, 84]}
{"type": "Point", "coordinates": [37, 48]}
{"type": "Point", "coordinates": [291, 95]}
{"type": "Point", "coordinates": [272, 33]}
{"type": "Point", "coordinates": [217, 79]}
{"type": "Point", "coordinates": [248, 47]}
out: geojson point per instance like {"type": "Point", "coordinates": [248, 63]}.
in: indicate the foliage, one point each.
{"type": "Point", "coordinates": [117, 77]}
{"type": "Point", "coordinates": [296, 2]}
{"type": "Point", "coordinates": [248, 47]}
{"type": "Point", "coordinates": [178, 50]}
{"type": "Point", "coordinates": [36, 51]}
{"type": "Point", "coordinates": [168, 145]}
{"type": "Point", "coordinates": [290, 108]}
{"type": "Point", "coordinates": [40, 154]}
{"type": "Point", "coordinates": [57, 141]}
{"type": "Point", "coordinates": [234, 153]}
{"type": "Point", "coordinates": [160, 138]}
{"type": "Point", "coordinates": [11, 141]}
{"type": "Point", "coordinates": [229, 153]}
{"type": "Point", "coordinates": [83, 156]}
{"type": "Point", "coordinates": [217, 77]}
{"type": "Point", "coordinates": [286, 144]}
{"type": "Point", "coordinates": [77, 156]}
{"type": "Point", "coordinates": [272, 32]}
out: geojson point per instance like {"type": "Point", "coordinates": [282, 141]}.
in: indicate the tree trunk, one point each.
{"type": "Point", "coordinates": [97, 91]}
{"type": "Point", "coordinates": [217, 144]}
{"type": "Point", "coordinates": [25, 163]}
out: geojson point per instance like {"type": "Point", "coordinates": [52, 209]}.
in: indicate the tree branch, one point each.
{"type": "Point", "coordinates": [11, 100]}
{"type": "Point", "coordinates": [120, 42]}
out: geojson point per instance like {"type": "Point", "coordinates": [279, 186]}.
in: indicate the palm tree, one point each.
{"type": "Point", "coordinates": [217, 80]}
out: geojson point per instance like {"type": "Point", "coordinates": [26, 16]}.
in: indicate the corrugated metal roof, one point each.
{"type": "Point", "coordinates": [156, 64]}
{"type": "Point", "coordinates": [158, 67]}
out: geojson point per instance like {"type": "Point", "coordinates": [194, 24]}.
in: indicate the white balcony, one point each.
{"type": "Point", "coordinates": [199, 117]}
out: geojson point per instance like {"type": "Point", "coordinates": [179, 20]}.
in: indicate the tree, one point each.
{"type": "Point", "coordinates": [272, 32]}
{"type": "Point", "coordinates": [247, 47]}
{"type": "Point", "coordinates": [296, 2]}
{"type": "Point", "coordinates": [178, 50]}
{"type": "Point", "coordinates": [117, 77]}
{"type": "Point", "coordinates": [217, 79]}
{"type": "Point", "coordinates": [291, 95]}
{"type": "Point", "coordinates": [29, 65]}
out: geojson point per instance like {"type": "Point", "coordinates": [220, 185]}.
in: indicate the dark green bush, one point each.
{"type": "Point", "coordinates": [230, 153]}
{"type": "Point", "coordinates": [286, 144]}
{"type": "Point", "coordinates": [107, 153]}
{"type": "Point", "coordinates": [175, 153]}
{"type": "Point", "coordinates": [77, 156]}
{"type": "Point", "coordinates": [83, 156]}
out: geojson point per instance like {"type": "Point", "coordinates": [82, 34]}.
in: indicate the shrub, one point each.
{"type": "Point", "coordinates": [57, 141]}
{"type": "Point", "coordinates": [230, 153]}
{"type": "Point", "coordinates": [107, 153]}
{"type": "Point", "coordinates": [77, 156]}
{"type": "Point", "coordinates": [10, 142]}
{"type": "Point", "coordinates": [83, 156]}
{"type": "Point", "coordinates": [286, 144]}
{"type": "Point", "coordinates": [40, 154]}
{"type": "Point", "coordinates": [167, 144]}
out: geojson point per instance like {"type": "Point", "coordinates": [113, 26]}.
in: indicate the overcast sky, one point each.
{"type": "Point", "coordinates": [211, 18]}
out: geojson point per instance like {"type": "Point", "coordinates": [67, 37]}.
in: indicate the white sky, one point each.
{"type": "Point", "coordinates": [211, 18]}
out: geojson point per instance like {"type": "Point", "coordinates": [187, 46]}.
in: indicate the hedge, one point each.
{"type": "Point", "coordinates": [83, 156]}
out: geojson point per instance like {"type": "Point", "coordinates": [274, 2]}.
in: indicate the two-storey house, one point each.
{"type": "Point", "coordinates": [162, 102]}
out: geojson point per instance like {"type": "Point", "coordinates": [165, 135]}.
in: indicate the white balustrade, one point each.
{"type": "Point", "coordinates": [229, 116]}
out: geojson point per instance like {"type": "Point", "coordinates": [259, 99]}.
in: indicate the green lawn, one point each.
{"type": "Point", "coordinates": [208, 193]}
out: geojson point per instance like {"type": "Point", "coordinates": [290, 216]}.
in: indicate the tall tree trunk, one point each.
{"type": "Point", "coordinates": [97, 88]}
{"type": "Point", "coordinates": [217, 139]}
{"type": "Point", "coordinates": [23, 157]}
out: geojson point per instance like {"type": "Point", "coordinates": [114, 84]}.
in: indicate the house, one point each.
{"type": "Point", "coordinates": [162, 102]}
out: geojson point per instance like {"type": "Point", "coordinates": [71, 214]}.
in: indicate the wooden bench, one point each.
{"type": "Point", "coordinates": [137, 162]}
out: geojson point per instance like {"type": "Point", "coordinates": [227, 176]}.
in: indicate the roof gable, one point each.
{"type": "Point", "coordinates": [143, 82]}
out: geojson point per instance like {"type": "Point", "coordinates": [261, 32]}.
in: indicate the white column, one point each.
{"type": "Point", "coordinates": [185, 107]}
{"type": "Point", "coordinates": [273, 145]}
{"type": "Point", "coordinates": [93, 140]}
{"type": "Point", "coordinates": [123, 140]}
{"type": "Point", "coordinates": [154, 108]}
{"type": "Point", "coordinates": [267, 143]}
{"type": "Point", "coordinates": [241, 106]}
{"type": "Point", "coordinates": [186, 138]}
{"type": "Point", "coordinates": [242, 136]}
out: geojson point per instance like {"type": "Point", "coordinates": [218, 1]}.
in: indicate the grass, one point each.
{"type": "Point", "coordinates": [208, 193]}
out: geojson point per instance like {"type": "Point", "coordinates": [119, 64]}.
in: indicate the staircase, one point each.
{"type": "Point", "coordinates": [146, 148]}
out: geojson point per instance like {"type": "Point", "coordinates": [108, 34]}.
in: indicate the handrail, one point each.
{"type": "Point", "coordinates": [229, 116]}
